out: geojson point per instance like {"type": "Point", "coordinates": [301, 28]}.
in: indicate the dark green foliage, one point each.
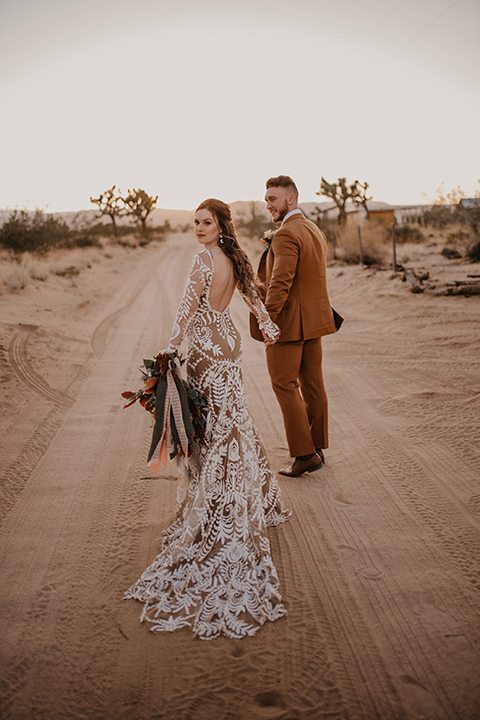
{"type": "Point", "coordinates": [255, 224]}
{"type": "Point", "coordinates": [406, 233]}
{"type": "Point", "coordinates": [34, 232]}
{"type": "Point", "coordinates": [459, 236]}
{"type": "Point", "coordinates": [470, 216]}
{"type": "Point", "coordinates": [440, 216]}
{"type": "Point", "coordinates": [473, 250]}
{"type": "Point", "coordinates": [86, 240]}
{"type": "Point", "coordinates": [85, 234]}
{"type": "Point", "coordinates": [69, 271]}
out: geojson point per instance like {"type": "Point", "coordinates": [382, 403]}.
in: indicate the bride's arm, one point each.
{"type": "Point", "coordinates": [189, 304]}
{"type": "Point", "coordinates": [270, 331]}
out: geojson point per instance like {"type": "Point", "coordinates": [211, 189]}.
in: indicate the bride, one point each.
{"type": "Point", "coordinates": [215, 572]}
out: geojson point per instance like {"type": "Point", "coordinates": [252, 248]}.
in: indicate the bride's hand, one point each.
{"type": "Point", "coordinates": [268, 340]}
{"type": "Point", "coordinates": [173, 352]}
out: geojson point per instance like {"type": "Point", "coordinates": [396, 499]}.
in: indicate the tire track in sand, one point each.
{"type": "Point", "coordinates": [70, 596]}
{"type": "Point", "coordinates": [417, 481]}
{"type": "Point", "coordinates": [18, 357]}
{"type": "Point", "coordinates": [369, 621]}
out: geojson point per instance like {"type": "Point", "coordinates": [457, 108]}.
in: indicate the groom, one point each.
{"type": "Point", "coordinates": [294, 273]}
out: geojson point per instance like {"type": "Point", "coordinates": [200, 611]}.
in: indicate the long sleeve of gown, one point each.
{"type": "Point", "coordinates": [189, 304]}
{"type": "Point", "coordinates": [265, 322]}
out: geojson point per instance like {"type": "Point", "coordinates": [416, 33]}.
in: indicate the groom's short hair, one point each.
{"type": "Point", "coordinates": [283, 181]}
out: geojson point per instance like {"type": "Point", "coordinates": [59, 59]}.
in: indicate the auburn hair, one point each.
{"type": "Point", "coordinates": [243, 272]}
{"type": "Point", "coordinates": [282, 181]}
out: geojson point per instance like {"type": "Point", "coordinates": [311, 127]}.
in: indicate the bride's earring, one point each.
{"type": "Point", "coordinates": [220, 239]}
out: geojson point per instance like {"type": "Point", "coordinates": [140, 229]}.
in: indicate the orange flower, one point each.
{"type": "Point", "coordinates": [150, 383]}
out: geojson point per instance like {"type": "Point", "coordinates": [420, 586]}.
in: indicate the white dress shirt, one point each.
{"type": "Point", "coordinates": [292, 212]}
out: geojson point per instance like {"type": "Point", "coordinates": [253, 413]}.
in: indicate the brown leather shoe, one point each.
{"type": "Point", "coordinates": [300, 467]}
{"type": "Point", "coordinates": [320, 454]}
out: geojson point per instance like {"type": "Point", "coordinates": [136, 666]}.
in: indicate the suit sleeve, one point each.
{"type": "Point", "coordinates": [285, 251]}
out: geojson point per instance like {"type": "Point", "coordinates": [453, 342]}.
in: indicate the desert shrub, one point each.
{"type": "Point", "coordinates": [33, 232]}
{"type": "Point", "coordinates": [87, 240]}
{"type": "Point", "coordinates": [327, 225]}
{"type": "Point", "coordinates": [106, 230]}
{"type": "Point", "coordinates": [16, 277]}
{"type": "Point", "coordinates": [459, 237]}
{"type": "Point", "coordinates": [473, 250]}
{"type": "Point", "coordinates": [440, 216]}
{"type": "Point", "coordinates": [68, 271]}
{"type": "Point", "coordinates": [87, 235]}
{"type": "Point", "coordinates": [84, 233]}
{"type": "Point", "coordinates": [253, 222]}
{"type": "Point", "coordinates": [37, 269]}
{"type": "Point", "coordinates": [407, 233]}
{"type": "Point", "coordinates": [128, 240]}
{"type": "Point", "coordinates": [149, 234]}
{"type": "Point", "coordinates": [374, 248]}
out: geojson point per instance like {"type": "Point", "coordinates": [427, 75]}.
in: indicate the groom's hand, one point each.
{"type": "Point", "coordinates": [267, 340]}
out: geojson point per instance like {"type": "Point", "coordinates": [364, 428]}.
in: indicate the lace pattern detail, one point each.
{"type": "Point", "coordinates": [215, 572]}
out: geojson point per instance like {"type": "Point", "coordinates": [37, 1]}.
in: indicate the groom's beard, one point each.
{"type": "Point", "coordinates": [284, 211]}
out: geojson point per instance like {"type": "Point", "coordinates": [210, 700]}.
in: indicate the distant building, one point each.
{"type": "Point", "coordinates": [383, 216]}
{"type": "Point", "coordinates": [469, 203]}
{"type": "Point", "coordinates": [411, 214]}
{"type": "Point", "coordinates": [469, 211]}
{"type": "Point", "coordinates": [380, 213]}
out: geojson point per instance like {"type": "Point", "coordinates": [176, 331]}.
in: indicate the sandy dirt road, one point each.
{"type": "Point", "coordinates": [379, 565]}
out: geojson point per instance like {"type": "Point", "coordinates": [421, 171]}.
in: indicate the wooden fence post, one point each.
{"type": "Point", "coordinates": [360, 250]}
{"type": "Point", "coordinates": [394, 246]}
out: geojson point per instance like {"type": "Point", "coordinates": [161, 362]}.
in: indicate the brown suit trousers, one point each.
{"type": "Point", "coordinates": [294, 272]}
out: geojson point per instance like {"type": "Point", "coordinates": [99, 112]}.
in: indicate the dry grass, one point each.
{"type": "Point", "coordinates": [16, 272]}
{"type": "Point", "coordinates": [375, 247]}
{"type": "Point", "coordinates": [16, 277]}
{"type": "Point", "coordinates": [37, 268]}
{"type": "Point", "coordinates": [459, 237]}
{"type": "Point", "coordinates": [129, 241]}
{"type": "Point", "coordinates": [72, 262]}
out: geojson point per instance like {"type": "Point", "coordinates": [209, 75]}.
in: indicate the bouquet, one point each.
{"type": "Point", "coordinates": [177, 408]}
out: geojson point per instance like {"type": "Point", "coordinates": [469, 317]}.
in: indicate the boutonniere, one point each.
{"type": "Point", "coordinates": [267, 238]}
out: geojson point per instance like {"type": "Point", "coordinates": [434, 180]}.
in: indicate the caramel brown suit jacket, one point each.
{"type": "Point", "coordinates": [294, 272]}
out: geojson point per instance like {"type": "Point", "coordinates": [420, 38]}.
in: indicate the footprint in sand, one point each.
{"type": "Point", "coordinates": [370, 572]}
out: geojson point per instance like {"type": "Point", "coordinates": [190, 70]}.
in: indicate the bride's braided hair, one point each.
{"type": "Point", "coordinates": [245, 276]}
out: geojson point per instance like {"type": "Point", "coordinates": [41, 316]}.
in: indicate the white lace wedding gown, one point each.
{"type": "Point", "coordinates": [215, 573]}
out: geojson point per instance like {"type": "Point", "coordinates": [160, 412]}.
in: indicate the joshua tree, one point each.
{"type": "Point", "coordinates": [361, 196]}
{"type": "Point", "coordinates": [112, 204]}
{"type": "Point", "coordinates": [140, 204]}
{"type": "Point", "coordinates": [340, 192]}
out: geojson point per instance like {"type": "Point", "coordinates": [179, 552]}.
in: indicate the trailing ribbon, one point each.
{"type": "Point", "coordinates": [173, 428]}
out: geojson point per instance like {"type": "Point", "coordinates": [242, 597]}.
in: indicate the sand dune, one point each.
{"type": "Point", "coordinates": [379, 565]}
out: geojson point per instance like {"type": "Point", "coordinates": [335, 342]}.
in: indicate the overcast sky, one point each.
{"type": "Point", "coordinates": [193, 99]}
